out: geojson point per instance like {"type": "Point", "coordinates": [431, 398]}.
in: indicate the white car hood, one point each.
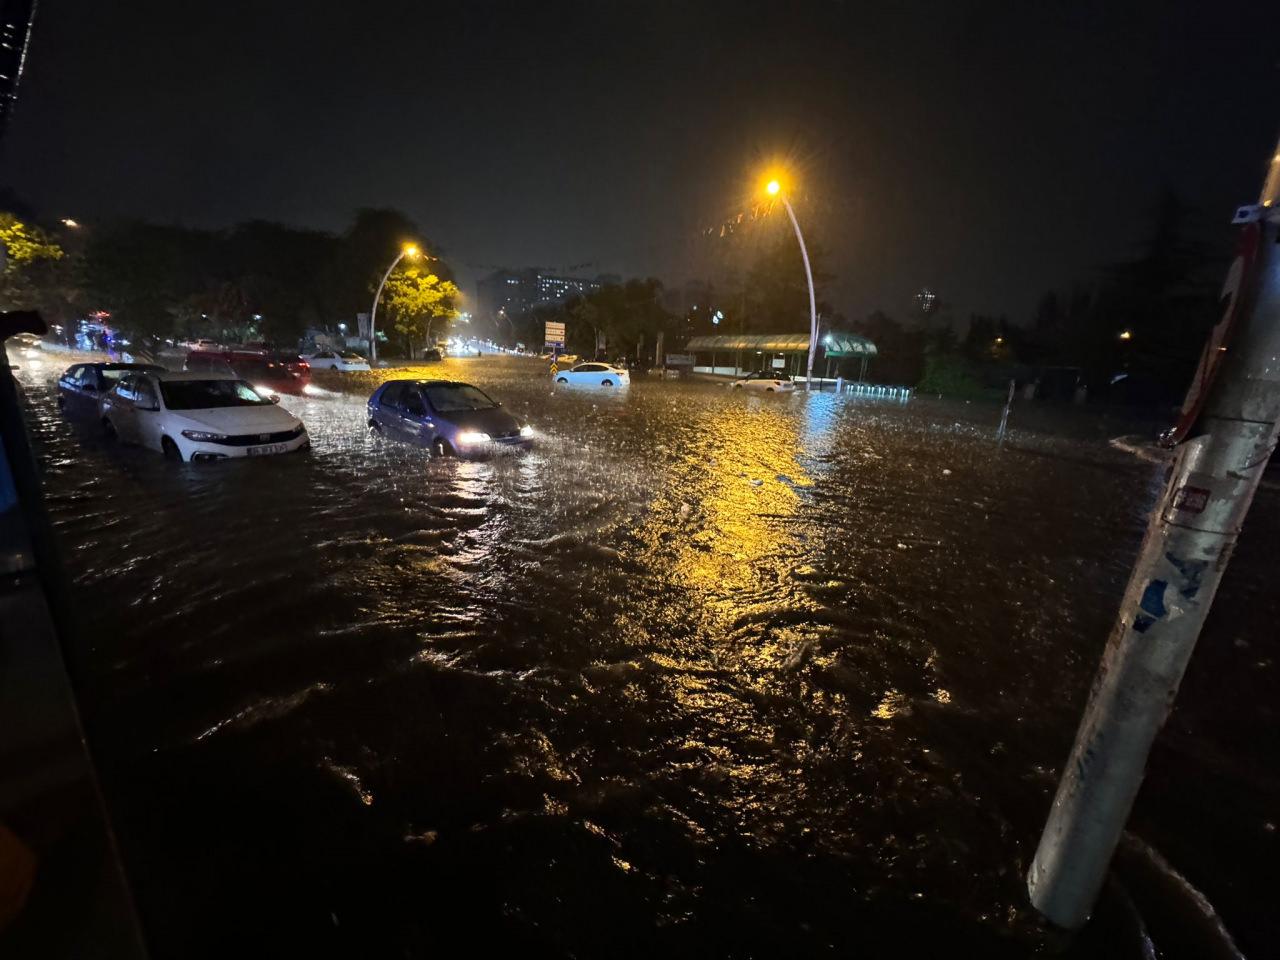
{"type": "Point", "coordinates": [236, 420]}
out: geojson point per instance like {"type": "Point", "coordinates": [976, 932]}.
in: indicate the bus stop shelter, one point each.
{"type": "Point", "coordinates": [776, 351]}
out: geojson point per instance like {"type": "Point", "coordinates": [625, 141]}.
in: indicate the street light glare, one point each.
{"type": "Point", "coordinates": [772, 187]}
{"type": "Point", "coordinates": [410, 250]}
{"type": "Point", "coordinates": [68, 222]}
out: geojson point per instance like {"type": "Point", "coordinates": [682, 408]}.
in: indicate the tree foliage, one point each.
{"type": "Point", "coordinates": [30, 276]}
{"type": "Point", "coordinates": [416, 299]}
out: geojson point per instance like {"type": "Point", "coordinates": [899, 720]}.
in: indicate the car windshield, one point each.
{"type": "Point", "coordinates": [207, 394]}
{"type": "Point", "coordinates": [452, 397]}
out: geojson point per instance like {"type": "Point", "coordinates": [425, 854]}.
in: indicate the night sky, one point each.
{"type": "Point", "coordinates": [988, 151]}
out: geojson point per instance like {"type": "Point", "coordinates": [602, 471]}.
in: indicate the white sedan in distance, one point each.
{"type": "Point", "coordinates": [595, 374]}
{"type": "Point", "coordinates": [332, 360]}
{"type": "Point", "coordinates": [198, 416]}
{"type": "Point", "coordinates": [765, 381]}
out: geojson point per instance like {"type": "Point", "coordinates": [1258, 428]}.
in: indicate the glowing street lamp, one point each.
{"type": "Point", "coordinates": [408, 250]}
{"type": "Point", "coordinates": [1126, 334]}
{"type": "Point", "coordinates": [774, 189]}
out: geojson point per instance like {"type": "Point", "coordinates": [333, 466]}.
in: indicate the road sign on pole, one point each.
{"type": "Point", "coordinates": [554, 336]}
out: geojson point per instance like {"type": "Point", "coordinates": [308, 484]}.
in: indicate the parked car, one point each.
{"type": "Point", "coordinates": [765, 381]}
{"type": "Point", "coordinates": [447, 416]}
{"type": "Point", "coordinates": [598, 374]}
{"type": "Point", "coordinates": [204, 343]}
{"type": "Point", "coordinates": [332, 360]}
{"type": "Point", "coordinates": [82, 385]}
{"type": "Point", "coordinates": [432, 354]}
{"type": "Point", "coordinates": [198, 416]}
{"type": "Point", "coordinates": [268, 372]}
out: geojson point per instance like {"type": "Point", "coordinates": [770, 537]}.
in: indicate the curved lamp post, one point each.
{"type": "Point", "coordinates": [774, 189]}
{"type": "Point", "coordinates": [408, 250]}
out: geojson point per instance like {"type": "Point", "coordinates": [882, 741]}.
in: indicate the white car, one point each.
{"type": "Point", "coordinates": [198, 416]}
{"type": "Point", "coordinates": [768, 381]}
{"type": "Point", "coordinates": [332, 360]}
{"type": "Point", "coordinates": [595, 374]}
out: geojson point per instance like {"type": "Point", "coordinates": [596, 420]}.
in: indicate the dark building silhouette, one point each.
{"type": "Point", "coordinates": [15, 31]}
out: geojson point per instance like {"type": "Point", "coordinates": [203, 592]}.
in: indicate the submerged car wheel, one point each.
{"type": "Point", "coordinates": [606, 383]}
{"type": "Point", "coordinates": [441, 448]}
{"type": "Point", "coordinates": [562, 380]}
{"type": "Point", "coordinates": [768, 389]}
{"type": "Point", "coordinates": [170, 449]}
{"type": "Point", "coordinates": [375, 428]}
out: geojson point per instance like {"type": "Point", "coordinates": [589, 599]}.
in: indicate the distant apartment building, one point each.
{"type": "Point", "coordinates": [519, 291]}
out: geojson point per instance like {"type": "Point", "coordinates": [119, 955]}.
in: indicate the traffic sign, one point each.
{"type": "Point", "coordinates": [554, 334]}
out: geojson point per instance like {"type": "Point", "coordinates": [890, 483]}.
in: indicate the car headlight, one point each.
{"type": "Point", "coordinates": [526, 431]}
{"type": "Point", "coordinates": [469, 437]}
{"type": "Point", "coordinates": [203, 437]}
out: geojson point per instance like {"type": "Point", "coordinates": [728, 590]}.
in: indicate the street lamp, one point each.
{"type": "Point", "coordinates": [408, 250]}
{"type": "Point", "coordinates": [774, 189]}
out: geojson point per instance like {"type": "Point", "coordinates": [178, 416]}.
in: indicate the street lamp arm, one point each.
{"type": "Point", "coordinates": [813, 303]}
{"type": "Point", "coordinates": [373, 313]}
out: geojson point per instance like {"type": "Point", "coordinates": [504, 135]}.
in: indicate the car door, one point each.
{"type": "Point", "coordinates": [117, 407]}
{"type": "Point", "coordinates": [414, 418]}
{"type": "Point", "coordinates": [386, 411]}
{"type": "Point", "coordinates": [148, 416]}
{"type": "Point", "coordinates": [69, 388]}
{"type": "Point", "coordinates": [586, 373]}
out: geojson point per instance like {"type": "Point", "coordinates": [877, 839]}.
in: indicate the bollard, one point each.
{"type": "Point", "coordinates": [1230, 422]}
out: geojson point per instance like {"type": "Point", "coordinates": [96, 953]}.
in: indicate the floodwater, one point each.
{"type": "Point", "coordinates": [703, 674]}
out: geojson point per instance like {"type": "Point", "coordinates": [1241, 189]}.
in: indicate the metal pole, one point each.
{"type": "Point", "coordinates": [373, 314]}
{"type": "Point", "coordinates": [813, 303]}
{"type": "Point", "coordinates": [1004, 417]}
{"type": "Point", "coordinates": [1233, 407]}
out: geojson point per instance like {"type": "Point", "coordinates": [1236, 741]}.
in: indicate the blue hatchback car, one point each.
{"type": "Point", "coordinates": [449, 417]}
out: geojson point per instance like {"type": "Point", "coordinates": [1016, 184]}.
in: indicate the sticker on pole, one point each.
{"type": "Point", "coordinates": [1235, 291]}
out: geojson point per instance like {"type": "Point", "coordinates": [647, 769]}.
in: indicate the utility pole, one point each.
{"type": "Point", "coordinates": [1225, 437]}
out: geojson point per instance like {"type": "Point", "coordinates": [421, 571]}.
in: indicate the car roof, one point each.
{"type": "Point", "coordinates": [174, 375]}
{"type": "Point", "coordinates": [431, 383]}
{"type": "Point", "coordinates": [122, 366]}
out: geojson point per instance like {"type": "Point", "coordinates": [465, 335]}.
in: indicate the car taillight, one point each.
{"type": "Point", "coordinates": [305, 366]}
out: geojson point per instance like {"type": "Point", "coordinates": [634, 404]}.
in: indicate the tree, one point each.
{"type": "Point", "coordinates": [777, 291]}
{"type": "Point", "coordinates": [415, 299]}
{"type": "Point", "coordinates": [30, 274]}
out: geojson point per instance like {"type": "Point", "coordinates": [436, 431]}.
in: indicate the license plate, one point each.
{"type": "Point", "coordinates": [267, 448]}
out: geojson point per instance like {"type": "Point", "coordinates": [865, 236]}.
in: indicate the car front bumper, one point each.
{"type": "Point", "coordinates": [201, 451]}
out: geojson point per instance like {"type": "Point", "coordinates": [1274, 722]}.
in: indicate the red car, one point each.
{"type": "Point", "coordinates": [268, 372]}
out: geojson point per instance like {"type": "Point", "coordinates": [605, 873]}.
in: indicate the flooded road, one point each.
{"type": "Point", "coordinates": [702, 674]}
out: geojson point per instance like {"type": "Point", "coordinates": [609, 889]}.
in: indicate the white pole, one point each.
{"type": "Point", "coordinates": [813, 303]}
{"type": "Point", "coordinates": [373, 314]}
{"type": "Point", "coordinates": [1232, 417]}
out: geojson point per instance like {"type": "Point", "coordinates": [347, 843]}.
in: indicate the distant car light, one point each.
{"type": "Point", "coordinates": [200, 436]}
{"type": "Point", "coordinates": [311, 391]}
{"type": "Point", "coordinates": [471, 437]}
{"type": "Point", "coordinates": [526, 431]}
